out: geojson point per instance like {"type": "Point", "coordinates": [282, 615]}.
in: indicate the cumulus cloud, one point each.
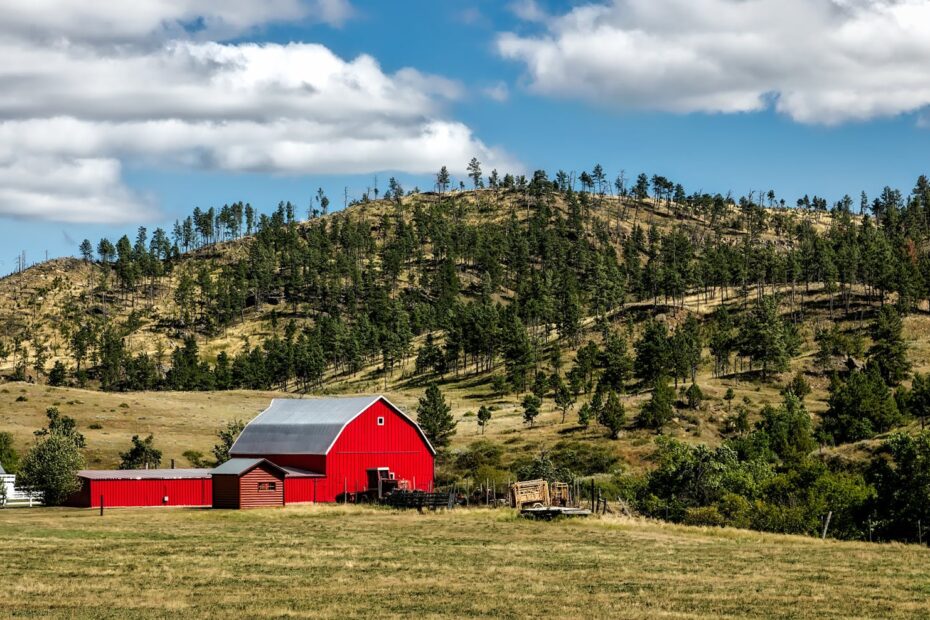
{"type": "Point", "coordinates": [816, 61]}
{"type": "Point", "coordinates": [75, 108]}
{"type": "Point", "coordinates": [137, 20]}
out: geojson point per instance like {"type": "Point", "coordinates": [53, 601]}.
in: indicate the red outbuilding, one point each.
{"type": "Point", "coordinates": [143, 487]}
{"type": "Point", "coordinates": [297, 450]}
{"type": "Point", "coordinates": [335, 445]}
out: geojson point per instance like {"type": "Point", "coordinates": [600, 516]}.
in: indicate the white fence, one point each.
{"type": "Point", "coordinates": [15, 497]}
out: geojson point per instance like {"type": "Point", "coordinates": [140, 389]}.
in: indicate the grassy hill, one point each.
{"type": "Point", "coordinates": [377, 283]}
{"type": "Point", "coordinates": [357, 562]}
{"type": "Point", "coordinates": [41, 308]}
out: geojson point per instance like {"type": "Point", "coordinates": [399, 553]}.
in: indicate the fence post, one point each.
{"type": "Point", "coordinates": [101, 505]}
{"type": "Point", "coordinates": [593, 510]}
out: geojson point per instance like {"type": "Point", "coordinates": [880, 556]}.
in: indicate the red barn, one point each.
{"type": "Point", "coordinates": [143, 487]}
{"type": "Point", "coordinates": [329, 446]}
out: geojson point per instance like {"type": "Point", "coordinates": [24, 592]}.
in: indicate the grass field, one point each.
{"type": "Point", "coordinates": [338, 561]}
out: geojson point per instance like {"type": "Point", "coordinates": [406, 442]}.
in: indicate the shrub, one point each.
{"type": "Point", "coordinates": [583, 459]}
{"type": "Point", "coordinates": [51, 467]}
{"type": "Point", "coordinates": [704, 515]}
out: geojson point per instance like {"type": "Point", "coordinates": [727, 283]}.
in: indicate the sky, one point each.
{"type": "Point", "coordinates": [119, 115]}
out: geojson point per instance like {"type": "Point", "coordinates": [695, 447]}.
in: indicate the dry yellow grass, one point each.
{"type": "Point", "coordinates": [338, 561]}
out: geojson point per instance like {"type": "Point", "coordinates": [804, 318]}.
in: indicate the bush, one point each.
{"type": "Point", "coordinates": [9, 459]}
{"type": "Point", "coordinates": [694, 396]}
{"type": "Point", "coordinates": [479, 454]}
{"type": "Point", "coordinates": [704, 515]}
{"type": "Point", "coordinates": [583, 459]}
{"type": "Point", "coordinates": [58, 374]}
{"type": "Point", "coordinates": [51, 467]}
{"type": "Point", "coordinates": [195, 458]}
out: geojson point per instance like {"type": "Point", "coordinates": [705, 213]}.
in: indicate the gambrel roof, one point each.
{"type": "Point", "coordinates": [306, 425]}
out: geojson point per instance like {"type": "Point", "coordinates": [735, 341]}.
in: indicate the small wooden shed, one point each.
{"type": "Point", "coordinates": [248, 483]}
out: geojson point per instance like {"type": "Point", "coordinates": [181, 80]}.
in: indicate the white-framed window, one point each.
{"type": "Point", "coordinates": [380, 421]}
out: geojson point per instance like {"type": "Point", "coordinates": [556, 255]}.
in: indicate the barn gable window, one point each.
{"type": "Point", "coordinates": [267, 486]}
{"type": "Point", "coordinates": [380, 421]}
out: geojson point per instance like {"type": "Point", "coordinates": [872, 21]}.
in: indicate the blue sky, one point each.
{"type": "Point", "coordinates": [573, 84]}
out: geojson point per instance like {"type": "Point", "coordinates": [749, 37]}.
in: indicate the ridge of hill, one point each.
{"type": "Point", "coordinates": [538, 303]}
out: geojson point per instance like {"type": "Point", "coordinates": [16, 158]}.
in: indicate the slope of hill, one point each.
{"type": "Point", "coordinates": [493, 295]}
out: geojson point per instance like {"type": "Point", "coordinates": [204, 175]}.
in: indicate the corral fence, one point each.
{"type": "Point", "coordinates": [11, 497]}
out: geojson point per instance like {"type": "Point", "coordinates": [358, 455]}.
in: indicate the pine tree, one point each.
{"type": "Point", "coordinates": [434, 416]}
{"type": "Point", "coordinates": [889, 351]}
{"type": "Point", "coordinates": [484, 417]}
{"type": "Point", "coordinates": [531, 405]}
{"type": "Point", "coordinates": [653, 352]}
{"type": "Point", "coordinates": [612, 415]}
{"type": "Point", "coordinates": [87, 251]}
{"type": "Point", "coordinates": [659, 409]}
{"type": "Point", "coordinates": [564, 399]}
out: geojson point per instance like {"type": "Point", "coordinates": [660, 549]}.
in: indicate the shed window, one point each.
{"type": "Point", "coordinates": [267, 486]}
{"type": "Point", "coordinates": [380, 421]}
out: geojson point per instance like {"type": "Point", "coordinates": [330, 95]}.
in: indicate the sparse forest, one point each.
{"type": "Point", "coordinates": [626, 307]}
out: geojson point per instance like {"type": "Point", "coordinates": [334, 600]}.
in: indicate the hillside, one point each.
{"type": "Point", "coordinates": [492, 295]}
{"type": "Point", "coordinates": [482, 563]}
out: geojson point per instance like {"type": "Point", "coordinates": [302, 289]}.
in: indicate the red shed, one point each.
{"type": "Point", "coordinates": [332, 443]}
{"type": "Point", "coordinates": [143, 487]}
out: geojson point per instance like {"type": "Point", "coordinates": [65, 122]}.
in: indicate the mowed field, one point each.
{"type": "Point", "coordinates": [336, 561]}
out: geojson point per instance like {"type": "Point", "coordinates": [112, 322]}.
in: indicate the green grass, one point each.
{"type": "Point", "coordinates": [335, 561]}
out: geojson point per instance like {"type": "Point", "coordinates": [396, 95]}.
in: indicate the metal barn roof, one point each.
{"type": "Point", "coordinates": [237, 467]}
{"type": "Point", "coordinates": [143, 474]}
{"type": "Point", "coordinates": [304, 426]}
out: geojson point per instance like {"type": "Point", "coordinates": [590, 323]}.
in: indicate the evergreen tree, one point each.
{"type": "Point", "coordinates": [765, 339]}
{"type": "Point", "coordinates": [87, 251]}
{"type": "Point", "coordinates": [531, 405]}
{"type": "Point", "coordinates": [859, 408]}
{"type": "Point", "coordinates": [889, 352]}
{"type": "Point", "coordinates": [484, 417]}
{"type": "Point", "coordinates": [434, 416]}
{"type": "Point", "coordinates": [653, 353]}
{"type": "Point", "coordinates": [584, 415]}
{"type": "Point", "coordinates": [564, 399]}
{"type": "Point", "coordinates": [659, 409]}
{"type": "Point", "coordinates": [612, 415]}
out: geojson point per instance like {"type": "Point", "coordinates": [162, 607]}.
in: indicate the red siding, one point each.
{"type": "Point", "coordinates": [122, 493]}
{"type": "Point", "coordinates": [363, 445]}
{"type": "Point", "coordinates": [301, 490]}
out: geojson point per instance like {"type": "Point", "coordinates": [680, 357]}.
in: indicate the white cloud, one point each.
{"type": "Point", "coordinates": [816, 61]}
{"type": "Point", "coordinates": [67, 190]}
{"type": "Point", "coordinates": [528, 11]}
{"type": "Point", "coordinates": [73, 110]}
{"type": "Point", "coordinates": [135, 20]}
{"type": "Point", "coordinates": [498, 92]}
